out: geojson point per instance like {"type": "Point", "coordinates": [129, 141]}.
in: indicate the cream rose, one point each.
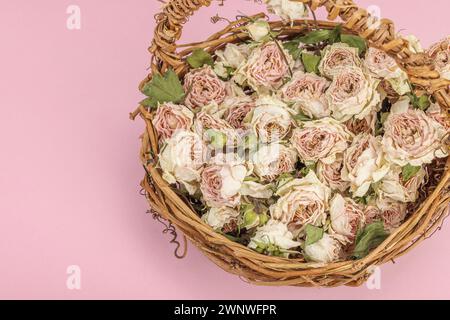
{"type": "Point", "coordinates": [302, 202]}
{"type": "Point", "coordinates": [352, 93]}
{"type": "Point", "coordinates": [392, 213]}
{"type": "Point", "coordinates": [237, 111]}
{"type": "Point", "coordinates": [270, 161]}
{"type": "Point", "coordinates": [383, 66]}
{"type": "Point", "coordinates": [271, 119]}
{"type": "Point", "coordinates": [266, 69]}
{"type": "Point", "coordinates": [330, 174]}
{"type": "Point", "coordinates": [306, 91]}
{"type": "Point", "coordinates": [233, 55]}
{"type": "Point", "coordinates": [411, 136]}
{"type": "Point", "coordinates": [221, 218]}
{"type": "Point", "coordinates": [182, 158]}
{"type": "Point", "coordinates": [394, 187]}
{"type": "Point", "coordinates": [259, 30]}
{"type": "Point", "coordinates": [365, 125]}
{"type": "Point", "coordinates": [222, 180]}
{"type": "Point", "coordinates": [347, 217]}
{"type": "Point", "coordinates": [336, 57]}
{"type": "Point", "coordinates": [320, 140]}
{"type": "Point", "coordinates": [326, 250]}
{"type": "Point", "coordinates": [287, 10]}
{"type": "Point", "coordinates": [170, 118]}
{"type": "Point", "coordinates": [414, 44]}
{"type": "Point", "coordinates": [202, 86]}
{"type": "Point", "coordinates": [273, 233]}
{"type": "Point", "coordinates": [440, 53]}
{"type": "Point", "coordinates": [364, 164]}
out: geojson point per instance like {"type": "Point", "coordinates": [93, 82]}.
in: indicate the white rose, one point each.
{"type": "Point", "coordinates": [364, 164]}
{"type": "Point", "coordinates": [326, 250]}
{"type": "Point", "coordinates": [270, 161]}
{"type": "Point", "coordinates": [302, 202]}
{"type": "Point", "coordinates": [347, 217]}
{"type": "Point", "coordinates": [222, 180]}
{"type": "Point", "coordinates": [414, 44]}
{"type": "Point", "coordinates": [394, 187]}
{"type": "Point", "coordinates": [271, 120]}
{"type": "Point", "coordinates": [410, 136]}
{"type": "Point", "coordinates": [320, 140]}
{"type": "Point", "coordinates": [256, 190]}
{"type": "Point", "coordinates": [287, 10]}
{"type": "Point", "coordinates": [273, 233]}
{"type": "Point", "coordinates": [217, 218]}
{"type": "Point", "coordinates": [266, 69]}
{"type": "Point", "coordinates": [182, 158]}
{"type": "Point", "coordinates": [233, 55]}
{"type": "Point", "coordinates": [352, 93]}
{"type": "Point", "coordinates": [259, 30]}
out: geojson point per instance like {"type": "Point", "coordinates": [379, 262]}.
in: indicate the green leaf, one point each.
{"type": "Point", "coordinates": [311, 62]}
{"type": "Point", "coordinates": [355, 41]}
{"type": "Point", "coordinates": [216, 138]}
{"type": "Point", "coordinates": [162, 89]}
{"type": "Point", "coordinates": [148, 102]}
{"type": "Point", "coordinates": [335, 34]}
{"type": "Point", "coordinates": [316, 36]}
{"type": "Point", "coordinates": [199, 58]}
{"type": "Point", "coordinates": [305, 170]}
{"type": "Point", "coordinates": [313, 234]}
{"type": "Point", "coordinates": [301, 117]}
{"type": "Point", "coordinates": [409, 171]}
{"type": "Point", "coordinates": [369, 238]}
{"type": "Point", "coordinates": [422, 102]}
{"type": "Point", "coordinates": [293, 48]}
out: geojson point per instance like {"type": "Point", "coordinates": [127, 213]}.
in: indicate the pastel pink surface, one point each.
{"type": "Point", "coordinates": [69, 176]}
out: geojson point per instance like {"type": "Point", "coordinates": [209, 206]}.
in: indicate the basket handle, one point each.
{"type": "Point", "coordinates": [419, 67]}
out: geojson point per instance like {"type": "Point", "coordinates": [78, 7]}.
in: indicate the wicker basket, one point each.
{"type": "Point", "coordinates": [167, 204]}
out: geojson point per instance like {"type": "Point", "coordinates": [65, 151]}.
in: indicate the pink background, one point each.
{"type": "Point", "coordinates": [70, 171]}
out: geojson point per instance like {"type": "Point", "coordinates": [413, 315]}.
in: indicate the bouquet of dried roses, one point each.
{"type": "Point", "coordinates": [298, 141]}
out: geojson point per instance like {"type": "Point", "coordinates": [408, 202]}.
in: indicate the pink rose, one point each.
{"type": "Point", "coordinates": [352, 93]}
{"type": "Point", "coordinates": [320, 140]}
{"type": "Point", "coordinates": [170, 118]}
{"type": "Point", "coordinates": [412, 137]}
{"type": "Point", "coordinates": [381, 65]}
{"type": "Point", "coordinates": [307, 92]}
{"type": "Point", "coordinates": [267, 67]}
{"type": "Point", "coordinates": [202, 87]}
{"type": "Point", "coordinates": [366, 125]}
{"type": "Point", "coordinates": [336, 57]}
{"type": "Point", "coordinates": [238, 109]}
{"type": "Point", "coordinates": [392, 214]}
{"type": "Point", "coordinates": [330, 174]}
{"type": "Point", "coordinates": [372, 214]}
